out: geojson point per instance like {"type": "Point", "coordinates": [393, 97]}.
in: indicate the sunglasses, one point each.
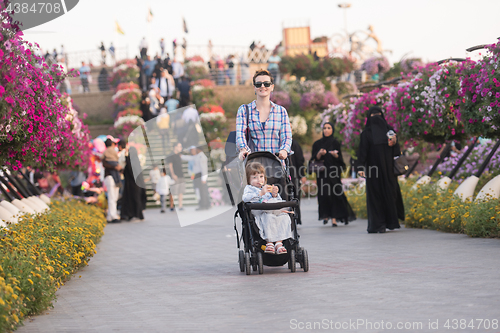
{"type": "Point", "coordinates": [259, 84]}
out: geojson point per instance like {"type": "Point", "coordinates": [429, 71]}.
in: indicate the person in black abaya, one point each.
{"type": "Point", "coordinates": [297, 173]}
{"type": "Point", "coordinates": [332, 201]}
{"type": "Point", "coordinates": [134, 193]}
{"type": "Point", "coordinates": [376, 162]}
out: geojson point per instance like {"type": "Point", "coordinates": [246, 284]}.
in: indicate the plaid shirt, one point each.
{"type": "Point", "coordinates": [276, 135]}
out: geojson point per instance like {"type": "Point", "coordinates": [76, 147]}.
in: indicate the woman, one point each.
{"type": "Point", "coordinates": [145, 107]}
{"type": "Point", "coordinates": [134, 193]}
{"type": "Point", "coordinates": [268, 122]}
{"type": "Point", "coordinates": [376, 162]}
{"type": "Point", "coordinates": [332, 201]}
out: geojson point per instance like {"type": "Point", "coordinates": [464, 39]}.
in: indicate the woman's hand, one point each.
{"type": "Point", "coordinates": [321, 152]}
{"type": "Point", "coordinates": [335, 153]}
{"type": "Point", "coordinates": [243, 153]}
{"type": "Point", "coordinates": [283, 154]}
{"type": "Point", "coordinates": [393, 140]}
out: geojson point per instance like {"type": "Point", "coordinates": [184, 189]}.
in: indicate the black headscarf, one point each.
{"type": "Point", "coordinates": [377, 125]}
{"type": "Point", "coordinates": [326, 141]}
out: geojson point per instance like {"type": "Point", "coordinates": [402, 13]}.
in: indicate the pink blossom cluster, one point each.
{"type": "Point", "coordinates": [318, 101]}
{"type": "Point", "coordinates": [350, 118]}
{"type": "Point", "coordinates": [408, 65]}
{"type": "Point", "coordinates": [427, 103]}
{"type": "Point", "coordinates": [479, 95]}
{"type": "Point", "coordinates": [376, 65]}
{"type": "Point", "coordinates": [281, 98]}
{"type": "Point", "coordinates": [38, 126]}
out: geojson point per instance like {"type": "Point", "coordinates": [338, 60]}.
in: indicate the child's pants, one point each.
{"type": "Point", "coordinates": [163, 199]}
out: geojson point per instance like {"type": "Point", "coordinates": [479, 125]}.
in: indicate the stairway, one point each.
{"type": "Point", "coordinates": [189, 198]}
{"type": "Point", "coordinates": [93, 86]}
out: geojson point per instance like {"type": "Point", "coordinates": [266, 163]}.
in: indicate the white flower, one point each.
{"type": "Point", "coordinates": [129, 119]}
{"type": "Point", "coordinates": [299, 125]}
{"type": "Point", "coordinates": [125, 91]}
{"type": "Point", "coordinates": [217, 116]}
{"type": "Point", "coordinates": [7, 128]}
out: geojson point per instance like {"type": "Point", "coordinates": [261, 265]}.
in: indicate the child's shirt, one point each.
{"type": "Point", "coordinates": [163, 185]}
{"type": "Point", "coordinates": [252, 194]}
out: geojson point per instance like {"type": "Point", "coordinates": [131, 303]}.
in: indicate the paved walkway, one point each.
{"type": "Point", "coordinates": [154, 276]}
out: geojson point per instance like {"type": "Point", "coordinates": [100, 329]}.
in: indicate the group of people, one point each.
{"type": "Point", "coordinates": [236, 70]}
{"type": "Point", "coordinates": [120, 183]}
{"type": "Point", "coordinates": [270, 130]}
{"type": "Point", "coordinates": [169, 180]}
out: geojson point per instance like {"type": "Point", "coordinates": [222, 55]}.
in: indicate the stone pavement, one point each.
{"type": "Point", "coordinates": [154, 276]}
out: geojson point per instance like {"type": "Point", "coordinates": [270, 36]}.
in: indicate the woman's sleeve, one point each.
{"type": "Point", "coordinates": [396, 149]}
{"type": "Point", "coordinates": [241, 126]}
{"type": "Point", "coordinates": [299, 157]}
{"type": "Point", "coordinates": [285, 131]}
{"type": "Point", "coordinates": [315, 150]}
{"type": "Point", "coordinates": [340, 158]}
{"type": "Point", "coordinates": [362, 150]}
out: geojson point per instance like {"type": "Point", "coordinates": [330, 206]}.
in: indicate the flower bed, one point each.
{"type": "Point", "coordinates": [211, 108]}
{"type": "Point", "coordinates": [39, 254]}
{"type": "Point", "coordinates": [473, 162]}
{"type": "Point", "coordinates": [123, 126]}
{"type": "Point", "coordinates": [429, 208]}
{"type": "Point", "coordinates": [125, 72]}
{"type": "Point", "coordinates": [213, 124]}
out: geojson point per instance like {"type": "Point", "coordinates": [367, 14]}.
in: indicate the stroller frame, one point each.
{"type": "Point", "coordinates": [252, 255]}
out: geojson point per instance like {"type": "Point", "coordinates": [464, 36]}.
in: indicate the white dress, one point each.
{"type": "Point", "coordinates": [274, 225]}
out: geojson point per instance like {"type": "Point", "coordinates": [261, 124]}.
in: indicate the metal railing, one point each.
{"type": "Point", "coordinates": [95, 57]}
{"type": "Point", "coordinates": [256, 55]}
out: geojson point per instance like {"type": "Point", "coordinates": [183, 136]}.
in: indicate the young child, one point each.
{"type": "Point", "coordinates": [163, 187]}
{"type": "Point", "coordinates": [274, 226]}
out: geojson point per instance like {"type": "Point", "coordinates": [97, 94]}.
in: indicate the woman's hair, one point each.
{"type": "Point", "coordinates": [262, 72]}
{"type": "Point", "coordinates": [255, 168]}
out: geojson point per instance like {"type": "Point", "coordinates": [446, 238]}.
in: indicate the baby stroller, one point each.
{"type": "Point", "coordinates": [252, 255]}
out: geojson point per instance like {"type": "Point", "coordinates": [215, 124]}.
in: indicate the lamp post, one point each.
{"type": "Point", "coordinates": [345, 6]}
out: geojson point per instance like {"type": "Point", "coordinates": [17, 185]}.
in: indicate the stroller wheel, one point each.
{"type": "Point", "coordinates": [248, 267]}
{"type": "Point", "coordinates": [301, 253]}
{"type": "Point", "coordinates": [260, 262]}
{"type": "Point", "coordinates": [305, 261]}
{"type": "Point", "coordinates": [241, 260]}
{"type": "Point", "coordinates": [292, 262]}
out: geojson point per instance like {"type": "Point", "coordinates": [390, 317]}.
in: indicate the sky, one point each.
{"type": "Point", "coordinates": [427, 29]}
